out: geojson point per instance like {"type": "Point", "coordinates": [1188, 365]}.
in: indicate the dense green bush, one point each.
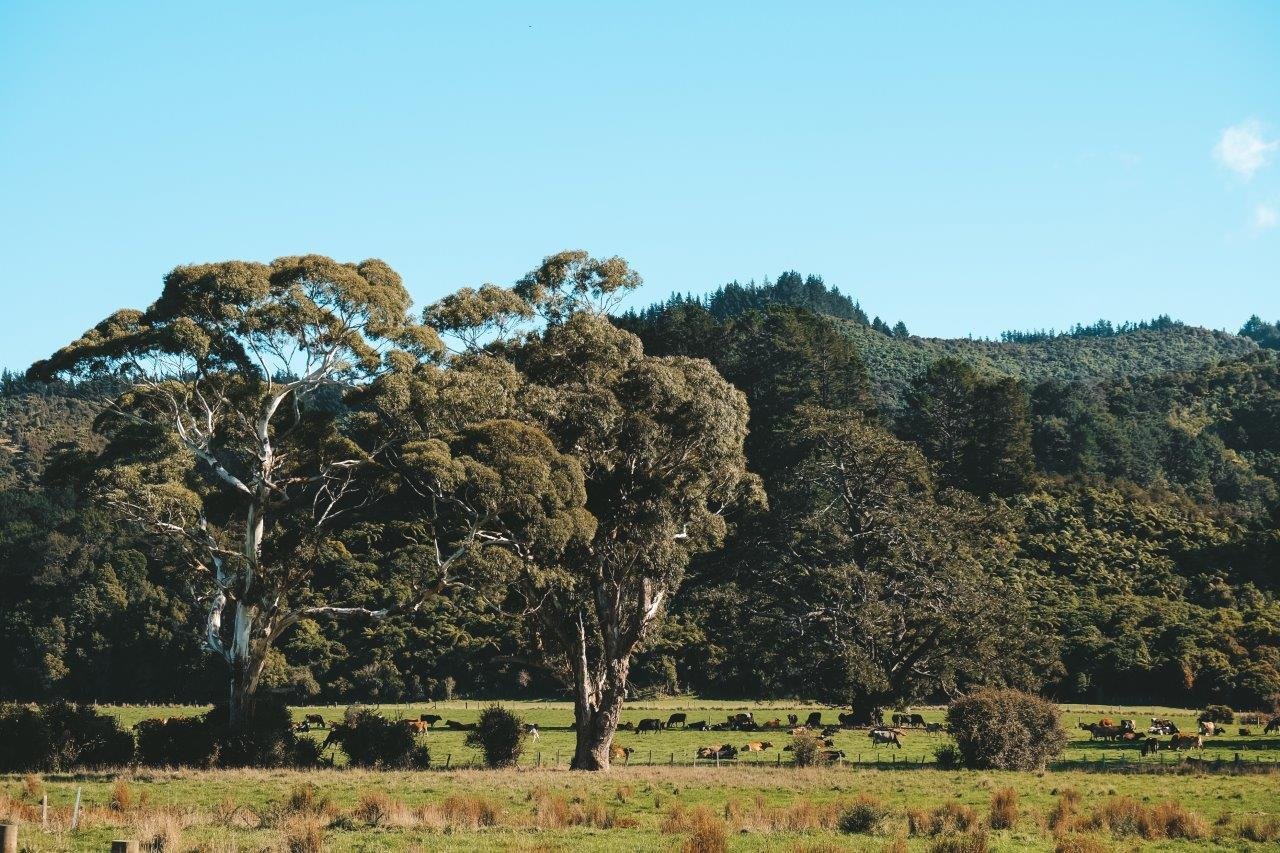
{"type": "Point", "coordinates": [266, 739]}
{"type": "Point", "coordinates": [25, 744]}
{"type": "Point", "coordinates": [1217, 714]}
{"type": "Point", "coordinates": [1006, 730]}
{"type": "Point", "coordinates": [60, 736]}
{"type": "Point", "coordinates": [806, 749]}
{"type": "Point", "coordinates": [500, 733]}
{"type": "Point", "coordinates": [371, 740]}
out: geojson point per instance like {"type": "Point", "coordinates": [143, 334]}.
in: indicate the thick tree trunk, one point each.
{"type": "Point", "coordinates": [596, 711]}
{"type": "Point", "coordinates": [247, 658]}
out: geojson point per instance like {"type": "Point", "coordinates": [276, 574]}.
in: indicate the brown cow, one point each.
{"type": "Point", "coordinates": [1185, 742]}
{"type": "Point", "coordinates": [418, 726]}
{"type": "Point", "coordinates": [1150, 746]}
{"type": "Point", "coordinates": [620, 753]}
{"type": "Point", "coordinates": [757, 746]}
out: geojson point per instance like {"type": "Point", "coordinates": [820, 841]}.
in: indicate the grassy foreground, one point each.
{"type": "Point", "coordinates": [1081, 806]}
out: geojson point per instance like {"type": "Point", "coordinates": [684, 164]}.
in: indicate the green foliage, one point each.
{"type": "Point", "coordinates": [500, 734]}
{"type": "Point", "coordinates": [60, 737]}
{"type": "Point", "coordinates": [1006, 730]}
{"type": "Point", "coordinates": [806, 749]}
{"type": "Point", "coordinates": [371, 740]}
{"type": "Point", "coordinates": [1217, 714]}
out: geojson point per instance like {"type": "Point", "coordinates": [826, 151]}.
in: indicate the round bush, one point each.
{"type": "Point", "coordinates": [1217, 714]}
{"type": "Point", "coordinates": [1006, 730]}
{"type": "Point", "coordinates": [500, 733]}
{"type": "Point", "coordinates": [371, 740]}
{"type": "Point", "coordinates": [25, 741]}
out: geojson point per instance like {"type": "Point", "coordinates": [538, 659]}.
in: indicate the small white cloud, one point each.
{"type": "Point", "coordinates": [1242, 148]}
{"type": "Point", "coordinates": [1265, 216]}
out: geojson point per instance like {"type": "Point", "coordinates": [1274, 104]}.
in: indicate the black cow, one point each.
{"type": "Point", "coordinates": [315, 720]}
{"type": "Point", "coordinates": [699, 726]}
{"type": "Point", "coordinates": [677, 718]}
{"type": "Point", "coordinates": [430, 719]}
{"type": "Point", "coordinates": [649, 724]}
{"type": "Point", "coordinates": [814, 720]}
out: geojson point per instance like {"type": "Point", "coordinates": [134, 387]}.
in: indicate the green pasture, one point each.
{"type": "Point", "coordinates": [677, 746]}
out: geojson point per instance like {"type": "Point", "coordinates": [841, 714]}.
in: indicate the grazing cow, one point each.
{"type": "Point", "coordinates": [900, 719]}
{"type": "Point", "coordinates": [531, 729]}
{"type": "Point", "coordinates": [1272, 725]}
{"type": "Point", "coordinates": [793, 720]}
{"type": "Point", "coordinates": [315, 720]}
{"type": "Point", "coordinates": [430, 719]}
{"type": "Point", "coordinates": [917, 721]}
{"type": "Point", "coordinates": [757, 746]}
{"type": "Point", "coordinates": [1186, 742]}
{"type": "Point", "coordinates": [677, 718]}
{"type": "Point", "coordinates": [418, 727]}
{"type": "Point", "coordinates": [814, 720]}
{"type": "Point", "coordinates": [1208, 728]}
{"type": "Point", "coordinates": [933, 727]}
{"type": "Point", "coordinates": [698, 726]}
{"type": "Point", "coordinates": [649, 724]}
{"type": "Point", "coordinates": [1150, 746]}
{"type": "Point", "coordinates": [620, 753]}
{"type": "Point", "coordinates": [879, 736]}
{"type": "Point", "coordinates": [848, 720]}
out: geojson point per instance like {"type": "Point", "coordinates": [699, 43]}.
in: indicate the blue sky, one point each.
{"type": "Point", "coordinates": [966, 167]}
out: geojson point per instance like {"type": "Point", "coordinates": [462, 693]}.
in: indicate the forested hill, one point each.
{"type": "Point", "coordinates": [892, 362]}
{"type": "Point", "coordinates": [893, 356]}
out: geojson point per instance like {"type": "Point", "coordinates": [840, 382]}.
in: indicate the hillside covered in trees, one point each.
{"type": "Point", "coordinates": [1095, 514]}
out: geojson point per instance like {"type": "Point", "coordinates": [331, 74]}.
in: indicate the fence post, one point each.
{"type": "Point", "coordinates": [8, 838]}
{"type": "Point", "coordinates": [651, 758]}
{"type": "Point", "coordinates": [44, 810]}
{"type": "Point", "coordinates": [673, 759]}
{"type": "Point", "coordinates": [557, 758]}
{"type": "Point", "coordinates": [447, 760]}
{"type": "Point", "coordinates": [75, 812]}
{"type": "Point", "coordinates": [539, 763]}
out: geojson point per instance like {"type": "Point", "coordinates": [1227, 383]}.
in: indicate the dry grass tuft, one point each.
{"type": "Point", "coordinates": [707, 833]}
{"type": "Point", "coordinates": [971, 842]}
{"type": "Point", "coordinates": [953, 817]}
{"type": "Point", "coordinates": [1125, 816]}
{"type": "Point", "coordinates": [1004, 809]}
{"type": "Point", "coordinates": [121, 799]}
{"type": "Point", "coordinates": [1174, 821]}
{"type": "Point", "coordinates": [304, 832]}
{"type": "Point", "coordinates": [1081, 844]}
{"type": "Point", "coordinates": [32, 787]}
{"type": "Point", "coordinates": [1259, 828]}
{"type": "Point", "coordinates": [159, 831]}
{"type": "Point", "coordinates": [1065, 814]}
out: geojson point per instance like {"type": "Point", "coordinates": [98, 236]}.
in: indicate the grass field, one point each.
{"type": "Point", "coordinates": [1083, 807]}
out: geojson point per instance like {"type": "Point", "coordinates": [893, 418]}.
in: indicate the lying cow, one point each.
{"type": "Point", "coordinates": [1162, 727]}
{"type": "Point", "coordinates": [893, 736]}
{"type": "Point", "coordinates": [698, 726]}
{"type": "Point", "coordinates": [723, 752]}
{"type": "Point", "coordinates": [757, 746]}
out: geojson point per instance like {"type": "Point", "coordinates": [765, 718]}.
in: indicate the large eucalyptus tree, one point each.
{"type": "Point", "coordinates": [659, 443]}
{"type": "Point", "coordinates": [266, 408]}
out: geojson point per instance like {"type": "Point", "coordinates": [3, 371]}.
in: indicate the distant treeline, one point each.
{"type": "Point", "coordinates": [1099, 329]}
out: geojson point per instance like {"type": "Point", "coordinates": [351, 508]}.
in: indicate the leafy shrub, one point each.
{"type": "Point", "coordinates": [371, 740]}
{"type": "Point", "coordinates": [806, 750]}
{"type": "Point", "coordinates": [265, 739]}
{"type": "Point", "coordinates": [176, 742]}
{"type": "Point", "coordinates": [948, 756]}
{"type": "Point", "coordinates": [862, 816]}
{"type": "Point", "coordinates": [25, 743]}
{"type": "Point", "coordinates": [1006, 730]}
{"type": "Point", "coordinates": [60, 736]}
{"type": "Point", "coordinates": [1217, 714]}
{"type": "Point", "coordinates": [500, 733]}
{"type": "Point", "coordinates": [1004, 809]}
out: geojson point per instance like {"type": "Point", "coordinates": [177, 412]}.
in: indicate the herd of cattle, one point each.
{"type": "Point", "coordinates": [1127, 730]}
{"type": "Point", "coordinates": [880, 734]}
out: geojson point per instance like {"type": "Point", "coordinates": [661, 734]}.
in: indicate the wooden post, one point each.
{"type": "Point", "coordinates": [75, 812]}
{"type": "Point", "coordinates": [557, 758]}
{"type": "Point", "coordinates": [448, 758]}
{"type": "Point", "coordinates": [673, 759]}
{"type": "Point", "coordinates": [124, 846]}
{"type": "Point", "coordinates": [44, 810]}
{"type": "Point", "coordinates": [539, 764]}
{"type": "Point", "coordinates": [651, 758]}
{"type": "Point", "coordinates": [8, 838]}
